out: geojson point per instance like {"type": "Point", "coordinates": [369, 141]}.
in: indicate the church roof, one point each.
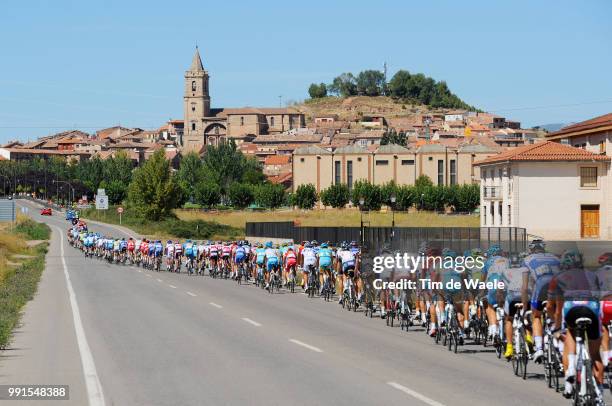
{"type": "Point", "coordinates": [196, 63]}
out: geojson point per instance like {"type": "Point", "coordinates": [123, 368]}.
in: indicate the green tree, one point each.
{"type": "Point", "coordinates": [387, 190]}
{"type": "Point", "coordinates": [190, 171]}
{"type": "Point", "coordinates": [344, 85]}
{"type": "Point", "coordinates": [371, 195]}
{"type": "Point", "coordinates": [269, 195]}
{"type": "Point", "coordinates": [317, 91]}
{"type": "Point", "coordinates": [207, 193]}
{"type": "Point", "coordinates": [153, 191]}
{"type": "Point", "coordinates": [225, 164]}
{"type": "Point", "coordinates": [115, 190]}
{"type": "Point", "coordinates": [240, 195]}
{"type": "Point", "coordinates": [336, 196]}
{"type": "Point", "coordinates": [370, 83]}
{"type": "Point", "coordinates": [406, 197]}
{"type": "Point", "coordinates": [435, 197]}
{"type": "Point", "coordinates": [306, 196]}
{"type": "Point", "coordinates": [422, 182]}
{"type": "Point", "coordinates": [468, 198]}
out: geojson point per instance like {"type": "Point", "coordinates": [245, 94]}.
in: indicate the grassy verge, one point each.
{"type": "Point", "coordinates": [198, 229]}
{"type": "Point", "coordinates": [19, 279]}
{"type": "Point", "coordinates": [333, 217]}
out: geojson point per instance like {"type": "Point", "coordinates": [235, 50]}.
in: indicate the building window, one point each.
{"type": "Point", "coordinates": [337, 172]}
{"type": "Point", "coordinates": [509, 215]}
{"type": "Point", "coordinates": [407, 161]}
{"type": "Point", "coordinates": [301, 159]}
{"type": "Point", "coordinates": [193, 86]}
{"type": "Point", "coordinates": [349, 174]}
{"type": "Point", "coordinates": [241, 120]}
{"type": "Point", "coordinates": [192, 106]}
{"type": "Point", "coordinates": [271, 121]}
{"type": "Point", "coordinates": [602, 147]}
{"type": "Point", "coordinates": [358, 159]}
{"type": "Point", "coordinates": [430, 158]}
{"type": "Point", "coordinates": [440, 172]}
{"type": "Point", "coordinates": [453, 172]}
{"type": "Point", "coordinates": [192, 126]}
{"type": "Point", "coordinates": [500, 214]}
{"type": "Point", "coordinates": [492, 213]}
{"type": "Point", "coordinates": [484, 216]}
{"type": "Point", "coordinates": [382, 162]}
{"type": "Point", "coordinates": [588, 176]}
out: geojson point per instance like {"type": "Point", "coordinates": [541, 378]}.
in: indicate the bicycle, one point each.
{"type": "Point", "coordinates": [291, 280]}
{"type": "Point", "coordinates": [553, 367]}
{"type": "Point", "coordinates": [521, 352]}
{"type": "Point", "coordinates": [274, 282]}
{"type": "Point", "coordinates": [586, 391]}
{"type": "Point", "coordinates": [498, 343]}
{"type": "Point", "coordinates": [313, 282]}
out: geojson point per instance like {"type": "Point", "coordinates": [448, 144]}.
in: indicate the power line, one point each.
{"type": "Point", "coordinates": [551, 106]}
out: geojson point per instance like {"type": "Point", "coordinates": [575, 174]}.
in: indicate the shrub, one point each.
{"type": "Point", "coordinates": [306, 196]}
{"type": "Point", "coordinates": [370, 193]}
{"type": "Point", "coordinates": [207, 193]}
{"type": "Point", "coordinates": [240, 195]}
{"type": "Point", "coordinates": [32, 230]}
{"type": "Point", "coordinates": [336, 196]}
{"type": "Point", "coordinates": [269, 195]}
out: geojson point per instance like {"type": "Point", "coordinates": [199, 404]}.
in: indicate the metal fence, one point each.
{"type": "Point", "coordinates": [511, 239]}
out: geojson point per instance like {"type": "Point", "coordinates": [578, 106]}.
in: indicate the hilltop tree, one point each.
{"type": "Point", "coordinates": [344, 85]}
{"type": "Point", "coordinates": [317, 91]}
{"type": "Point", "coordinates": [371, 83]}
{"type": "Point", "coordinates": [190, 172]}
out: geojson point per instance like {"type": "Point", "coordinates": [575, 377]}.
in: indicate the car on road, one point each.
{"type": "Point", "coordinates": [46, 211]}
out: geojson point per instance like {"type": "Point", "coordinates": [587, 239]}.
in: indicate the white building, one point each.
{"type": "Point", "coordinates": [555, 191]}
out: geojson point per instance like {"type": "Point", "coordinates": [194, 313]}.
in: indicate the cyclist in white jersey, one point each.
{"type": "Point", "coordinates": [308, 261]}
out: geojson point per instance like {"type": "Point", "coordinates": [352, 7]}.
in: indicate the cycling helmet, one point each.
{"type": "Point", "coordinates": [240, 243]}
{"type": "Point", "coordinates": [269, 244]}
{"type": "Point", "coordinates": [169, 242]}
{"type": "Point", "coordinates": [324, 245]}
{"type": "Point", "coordinates": [494, 250]}
{"type": "Point", "coordinates": [447, 252]}
{"type": "Point", "coordinates": [571, 259]}
{"type": "Point", "coordinates": [307, 245]}
{"type": "Point", "coordinates": [537, 246]}
{"type": "Point", "coordinates": [314, 243]}
{"type": "Point", "coordinates": [344, 245]}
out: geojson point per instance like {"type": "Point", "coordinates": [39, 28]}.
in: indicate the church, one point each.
{"type": "Point", "coordinates": [204, 125]}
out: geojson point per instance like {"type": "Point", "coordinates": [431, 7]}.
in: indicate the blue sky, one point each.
{"type": "Point", "coordinates": [74, 64]}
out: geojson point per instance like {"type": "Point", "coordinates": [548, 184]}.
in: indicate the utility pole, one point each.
{"type": "Point", "coordinates": [385, 75]}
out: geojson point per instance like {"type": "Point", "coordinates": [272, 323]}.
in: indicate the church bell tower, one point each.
{"type": "Point", "coordinates": [196, 101]}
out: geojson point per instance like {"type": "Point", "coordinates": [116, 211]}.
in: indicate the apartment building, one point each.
{"type": "Point", "coordinates": [555, 191]}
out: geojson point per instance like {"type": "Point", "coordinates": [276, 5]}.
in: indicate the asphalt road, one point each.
{"type": "Point", "coordinates": [167, 339]}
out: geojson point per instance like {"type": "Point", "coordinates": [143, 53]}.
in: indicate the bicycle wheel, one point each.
{"type": "Point", "coordinates": [548, 365]}
{"type": "Point", "coordinates": [455, 343]}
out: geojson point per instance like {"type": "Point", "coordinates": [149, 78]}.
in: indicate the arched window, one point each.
{"type": "Point", "coordinates": [193, 86]}
{"type": "Point", "coordinates": [271, 121]}
{"type": "Point", "coordinates": [241, 120]}
{"type": "Point", "coordinates": [192, 126]}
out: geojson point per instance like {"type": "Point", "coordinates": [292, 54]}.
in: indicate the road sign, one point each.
{"type": "Point", "coordinates": [7, 210]}
{"type": "Point", "coordinates": [102, 192]}
{"type": "Point", "coordinates": [119, 210]}
{"type": "Point", "coordinates": [102, 202]}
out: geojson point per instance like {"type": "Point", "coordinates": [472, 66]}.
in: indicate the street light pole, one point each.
{"type": "Point", "coordinates": [361, 203]}
{"type": "Point", "coordinates": [393, 199]}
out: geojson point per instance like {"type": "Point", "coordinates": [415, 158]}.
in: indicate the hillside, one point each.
{"type": "Point", "coordinates": [352, 108]}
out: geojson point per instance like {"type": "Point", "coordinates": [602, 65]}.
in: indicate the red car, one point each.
{"type": "Point", "coordinates": [46, 211]}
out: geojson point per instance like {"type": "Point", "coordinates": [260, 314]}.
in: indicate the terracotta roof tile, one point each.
{"type": "Point", "coordinates": [544, 151]}
{"type": "Point", "coordinates": [277, 160]}
{"type": "Point", "coordinates": [593, 123]}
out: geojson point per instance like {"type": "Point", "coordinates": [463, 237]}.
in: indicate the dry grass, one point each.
{"type": "Point", "coordinates": [333, 217]}
{"type": "Point", "coordinates": [10, 244]}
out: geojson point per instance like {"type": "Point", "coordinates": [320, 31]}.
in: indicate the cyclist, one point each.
{"type": "Point", "coordinates": [272, 261]}
{"type": "Point", "coordinates": [260, 256]}
{"type": "Point", "coordinates": [513, 280]}
{"type": "Point", "coordinates": [604, 276]}
{"type": "Point", "coordinates": [326, 260]}
{"type": "Point", "coordinates": [123, 249]}
{"type": "Point", "coordinates": [239, 255]}
{"type": "Point", "coordinates": [191, 251]}
{"type": "Point", "coordinates": [226, 252]}
{"type": "Point", "coordinates": [574, 291]}
{"type": "Point", "coordinates": [169, 252]}
{"type": "Point", "coordinates": [178, 256]}
{"type": "Point", "coordinates": [130, 248]}
{"type": "Point", "coordinates": [308, 261]}
{"type": "Point", "coordinates": [542, 267]}
{"type": "Point", "coordinates": [290, 263]}
{"type": "Point", "coordinates": [493, 270]}
{"type": "Point", "coordinates": [346, 262]}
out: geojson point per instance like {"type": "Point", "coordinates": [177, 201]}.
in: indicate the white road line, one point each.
{"type": "Point", "coordinates": [139, 270]}
{"type": "Point", "coordinates": [218, 306]}
{"type": "Point", "coordinates": [92, 381]}
{"type": "Point", "coordinates": [414, 394]}
{"type": "Point", "coordinates": [159, 280]}
{"type": "Point", "coordinates": [191, 294]}
{"type": "Point", "coordinates": [310, 347]}
{"type": "Point", "coordinates": [149, 276]}
{"type": "Point", "coordinates": [172, 286]}
{"type": "Point", "coordinates": [253, 322]}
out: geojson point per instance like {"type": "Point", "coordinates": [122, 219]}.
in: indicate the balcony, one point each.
{"type": "Point", "coordinates": [492, 192]}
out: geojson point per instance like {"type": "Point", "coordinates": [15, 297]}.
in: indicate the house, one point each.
{"type": "Point", "coordinates": [555, 191]}
{"type": "Point", "coordinates": [276, 164]}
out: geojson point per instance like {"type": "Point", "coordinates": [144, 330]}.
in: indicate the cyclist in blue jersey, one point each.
{"type": "Point", "coordinates": [326, 261]}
